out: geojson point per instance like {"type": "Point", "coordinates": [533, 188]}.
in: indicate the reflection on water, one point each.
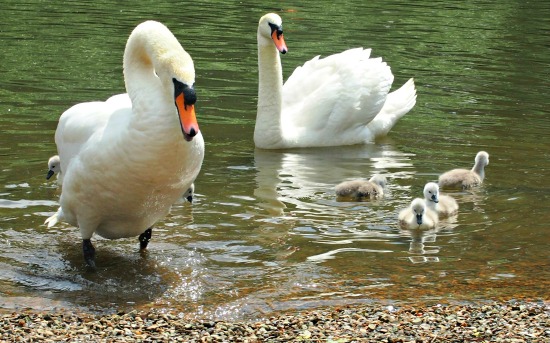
{"type": "Point", "coordinates": [265, 232]}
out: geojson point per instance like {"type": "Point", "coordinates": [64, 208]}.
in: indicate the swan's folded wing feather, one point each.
{"type": "Point", "coordinates": [76, 126]}
{"type": "Point", "coordinates": [398, 103]}
{"type": "Point", "coordinates": [342, 90]}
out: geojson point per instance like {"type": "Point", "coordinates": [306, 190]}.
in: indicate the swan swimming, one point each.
{"type": "Point", "coordinates": [418, 216]}
{"type": "Point", "coordinates": [362, 189]}
{"type": "Point", "coordinates": [106, 148]}
{"type": "Point", "coordinates": [342, 99]}
{"type": "Point", "coordinates": [464, 178]}
{"type": "Point", "coordinates": [444, 205]}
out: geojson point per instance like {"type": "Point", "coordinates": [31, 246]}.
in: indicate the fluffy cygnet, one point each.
{"type": "Point", "coordinates": [54, 166]}
{"type": "Point", "coordinates": [464, 178]}
{"type": "Point", "coordinates": [362, 189]}
{"type": "Point", "coordinates": [444, 205]}
{"type": "Point", "coordinates": [189, 193]}
{"type": "Point", "coordinates": [418, 216]}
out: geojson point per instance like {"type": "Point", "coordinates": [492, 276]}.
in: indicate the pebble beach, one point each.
{"type": "Point", "coordinates": [491, 322]}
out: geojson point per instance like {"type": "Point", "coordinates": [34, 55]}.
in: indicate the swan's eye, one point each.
{"type": "Point", "coordinates": [277, 28]}
{"type": "Point", "coordinates": [189, 95]}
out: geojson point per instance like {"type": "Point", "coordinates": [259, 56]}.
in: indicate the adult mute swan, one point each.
{"type": "Point", "coordinates": [107, 148]}
{"type": "Point", "coordinates": [418, 216]}
{"type": "Point", "coordinates": [342, 99]}
{"type": "Point", "coordinates": [464, 178]}
{"type": "Point", "coordinates": [444, 205]}
{"type": "Point", "coordinates": [362, 189]}
{"type": "Point", "coordinates": [54, 167]}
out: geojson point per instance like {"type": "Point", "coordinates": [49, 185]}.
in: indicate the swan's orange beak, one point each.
{"type": "Point", "coordinates": [188, 120]}
{"type": "Point", "coordinates": [279, 41]}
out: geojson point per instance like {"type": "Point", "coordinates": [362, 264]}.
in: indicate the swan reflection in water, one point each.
{"type": "Point", "coordinates": [306, 177]}
{"type": "Point", "coordinates": [418, 249]}
{"type": "Point", "coordinates": [298, 185]}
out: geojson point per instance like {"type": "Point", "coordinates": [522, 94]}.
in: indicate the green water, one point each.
{"type": "Point", "coordinates": [265, 233]}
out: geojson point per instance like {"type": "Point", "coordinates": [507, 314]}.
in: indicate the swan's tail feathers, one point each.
{"type": "Point", "coordinates": [51, 221]}
{"type": "Point", "coordinates": [397, 104]}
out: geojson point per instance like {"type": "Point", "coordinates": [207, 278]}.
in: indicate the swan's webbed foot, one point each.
{"type": "Point", "coordinates": [144, 238]}
{"type": "Point", "coordinates": [89, 252]}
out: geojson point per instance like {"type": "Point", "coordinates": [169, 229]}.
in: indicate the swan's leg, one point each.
{"type": "Point", "coordinates": [144, 238]}
{"type": "Point", "coordinates": [89, 252]}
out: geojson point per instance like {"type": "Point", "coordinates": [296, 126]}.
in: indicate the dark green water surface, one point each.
{"type": "Point", "coordinates": [265, 234]}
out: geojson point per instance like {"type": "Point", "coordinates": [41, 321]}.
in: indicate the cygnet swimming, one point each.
{"type": "Point", "coordinates": [362, 189]}
{"type": "Point", "coordinates": [418, 216]}
{"type": "Point", "coordinates": [464, 178]}
{"type": "Point", "coordinates": [54, 166]}
{"type": "Point", "coordinates": [444, 205]}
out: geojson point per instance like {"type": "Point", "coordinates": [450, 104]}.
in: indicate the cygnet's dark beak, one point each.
{"type": "Point", "coordinates": [50, 174]}
{"type": "Point", "coordinates": [419, 219]}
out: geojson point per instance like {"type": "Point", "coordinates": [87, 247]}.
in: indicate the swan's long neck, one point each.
{"type": "Point", "coordinates": [268, 129]}
{"type": "Point", "coordinates": [139, 70]}
{"type": "Point", "coordinates": [151, 56]}
{"type": "Point", "coordinates": [151, 59]}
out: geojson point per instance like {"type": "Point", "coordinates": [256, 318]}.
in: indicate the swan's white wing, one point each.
{"type": "Point", "coordinates": [398, 103]}
{"type": "Point", "coordinates": [338, 94]}
{"type": "Point", "coordinates": [119, 101]}
{"type": "Point", "coordinates": [82, 121]}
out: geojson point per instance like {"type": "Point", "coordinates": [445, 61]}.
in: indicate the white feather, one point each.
{"type": "Point", "coordinates": [341, 99]}
{"type": "Point", "coordinates": [107, 148]}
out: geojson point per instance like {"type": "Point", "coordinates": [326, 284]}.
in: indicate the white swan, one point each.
{"type": "Point", "coordinates": [107, 148]}
{"type": "Point", "coordinates": [342, 99]}
{"type": "Point", "coordinates": [362, 189]}
{"type": "Point", "coordinates": [54, 167]}
{"type": "Point", "coordinates": [464, 178]}
{"type": "Point", "coordinates": [444, 205]}
{"type": "Point", "coordinates": [418, 216]}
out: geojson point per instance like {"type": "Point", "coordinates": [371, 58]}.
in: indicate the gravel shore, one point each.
{"type": "Point", "coordinates": [495, 322]}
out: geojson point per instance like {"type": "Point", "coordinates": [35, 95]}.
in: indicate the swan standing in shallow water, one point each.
{"type": "Point", "coordinates": [418, 216]}
{"type": "Point", "coordinates": [107, 148]}
{"type": "Point", "coordinates": [54, 167]}
{"type": "Point", "coordinates": [464, 178]}
{"type": "Point", "coordinates": [444, 205]}
{"type": "Point", "coordinates": [342, 99]}
{"type": "Point", "coordinates": [362, 189]}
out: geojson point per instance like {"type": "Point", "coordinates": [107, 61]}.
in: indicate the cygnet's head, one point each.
{"type": "Point", "coordinates": [189, 193]}
{"type": "Point", "coordinates": [482, 158]}
{"type": "Point", "coordinates": [418, 207]}
{"type": "Point", "coordinates": [431, 192]}
{"type": "Point", "coordinates": [379, 180]}
{"type": "Point", "coordinates": [54, 166]}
